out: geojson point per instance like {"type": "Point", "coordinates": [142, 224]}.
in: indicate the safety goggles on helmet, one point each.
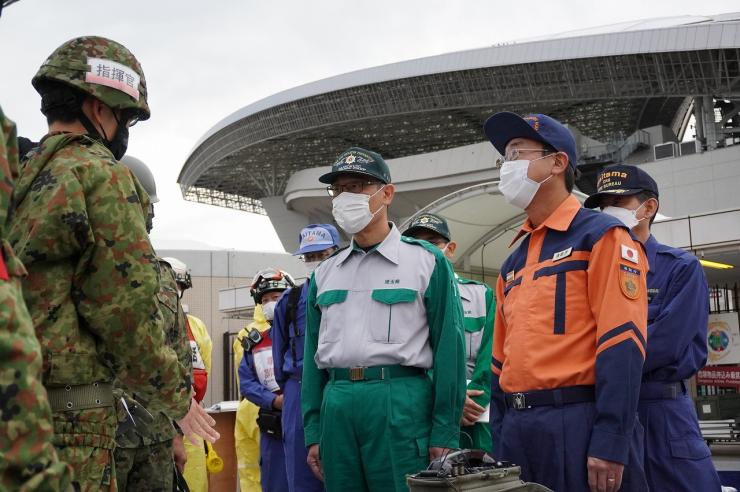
{"type": "Point", "coordinates": [270, 280]}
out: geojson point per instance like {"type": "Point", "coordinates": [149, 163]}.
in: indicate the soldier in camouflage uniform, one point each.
{"type": "Point", "coordinates": [144, 440]}
{"type": "Point", "coordinates": [93, 278]}
{"type": "Point", "coordinates": [28, 460]}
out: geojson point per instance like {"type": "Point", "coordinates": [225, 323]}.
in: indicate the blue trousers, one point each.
{"type": "Point", "coordinates": [676, 456]}
{"type": "Point", "coordinates": [300, 477]}
{"type": "Point", "coordinates": [551, 446]}
{"type": "Point", "coordinates": [272, 465]}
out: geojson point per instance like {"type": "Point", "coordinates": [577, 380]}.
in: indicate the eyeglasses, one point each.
{"type": "Point", "coordinates": [513, 155]}
{"type": "Point", "coordinates": [354, 187]}
{"type": "Point", "coordinates": [131, 117]}
{"type": "Point", "coordinates": [317, 256]}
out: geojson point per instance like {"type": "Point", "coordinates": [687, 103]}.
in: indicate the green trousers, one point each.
{"type": "Point", "coordinates": [476, 436]}
{"type": "Point", "coordinates": [374, 433]}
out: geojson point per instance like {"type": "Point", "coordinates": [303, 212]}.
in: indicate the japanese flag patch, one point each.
{"type": "Point", "coordinates": [630, 254]}
{"type": "Point", "coordinates": [629, 281]}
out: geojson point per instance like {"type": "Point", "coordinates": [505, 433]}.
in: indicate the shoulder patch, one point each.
{"type": "Point", "coordinates": [629, 281]}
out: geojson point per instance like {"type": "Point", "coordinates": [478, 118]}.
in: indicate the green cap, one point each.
{"type": "Point", "coordinates": [359, 161]}
{"type": "Point", "coordinates": [430, 222]}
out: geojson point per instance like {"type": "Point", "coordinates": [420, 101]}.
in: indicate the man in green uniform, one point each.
{"type": "Point", "coordinates": [28, 460]}
{"type": "Point", "coordinates": [144, 440]}
{"type": "Point", "coordinates": [479, 309]}
{"type": "Point", "coordinates": [79, 227]}
{"type": "Point", "coordinates": [380, 314]}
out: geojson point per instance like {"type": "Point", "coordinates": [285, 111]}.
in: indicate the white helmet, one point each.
{"type": "Point", "coordinates": [182, 275]}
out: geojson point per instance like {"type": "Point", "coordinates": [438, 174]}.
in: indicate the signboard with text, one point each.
{"type": "Point", "coordinates": [724, 376]}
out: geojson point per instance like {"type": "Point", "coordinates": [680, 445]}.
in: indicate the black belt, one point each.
{"type": "Point", "coordinates": [374, 373]}
{"type": "Point", "coordinates": [553, 397]}
{"type": "Point", "coordinates": [654, 390]}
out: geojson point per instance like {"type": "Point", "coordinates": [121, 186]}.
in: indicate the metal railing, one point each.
{"type": "Point", "coordinates": [724, 298]}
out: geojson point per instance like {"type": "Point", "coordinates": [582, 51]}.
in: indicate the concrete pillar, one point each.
{"type": "Point", "coordinates": [710, 127]}
{"type": "Point", "coordinates": [699, 117]}
{"type": "Point", "coordinates": [287, 223]}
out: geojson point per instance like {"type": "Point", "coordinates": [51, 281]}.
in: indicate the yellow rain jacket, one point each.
{"type": "Point", "coordinates": [195, 469]}
{"type": "Point", "coordinates": [246, 432]}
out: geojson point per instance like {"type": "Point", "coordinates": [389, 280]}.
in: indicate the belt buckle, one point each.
{"type": "Point", "coordinates": [520, 401]}
{"type": "Point", "coordinates": [356, 373]}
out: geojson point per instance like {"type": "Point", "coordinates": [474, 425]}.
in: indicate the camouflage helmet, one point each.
{"type": "Point", "coordinates": [101, 68]}
{"type": "Point", "coordinates": [143, 174]}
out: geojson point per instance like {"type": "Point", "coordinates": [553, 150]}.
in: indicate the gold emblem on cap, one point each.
{"type": "Point", "coordinates": [350, 159]}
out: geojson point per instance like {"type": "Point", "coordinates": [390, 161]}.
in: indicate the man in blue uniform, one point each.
{"type": "Point", "coordinates": [317, 242]}
{"type": "Point", "coordinates": [257, 381]}
{"type": "Point", "coordinates": [676, 456]}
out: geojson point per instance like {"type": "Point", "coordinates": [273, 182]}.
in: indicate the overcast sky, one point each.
{"type": "Point", "coordinates": [204, 60]}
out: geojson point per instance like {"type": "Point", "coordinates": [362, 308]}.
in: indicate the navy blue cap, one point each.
{"type": "Point", "coordinates": [430, 222]}
{"type": "Point", "coordinates": [621, 180]}
{"type": "Point", "coordinates": [359, 161]}
{"type": "Point", "coordinates": [503, 127]}
{"type": "Point", "coordinates": [317, 237]}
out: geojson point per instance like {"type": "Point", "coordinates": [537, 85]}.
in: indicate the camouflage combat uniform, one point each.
{"type": "Point", "coordinates": [143, 452]}
{"type": "Point", "coordinates": [79, 227]}
{"type": "Point", "coordinates": [28, 460]}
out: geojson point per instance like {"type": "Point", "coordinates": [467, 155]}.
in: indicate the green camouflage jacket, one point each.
{"type": "Point", "coordinates": [79, 227]}
{"type": "Point", "coordinates": [28, 460]}
{"type": "Point", "coordinates": [138, 426]}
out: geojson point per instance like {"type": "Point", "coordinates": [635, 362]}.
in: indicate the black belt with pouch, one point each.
{"type": "Point", "coordinates": [270, 422]}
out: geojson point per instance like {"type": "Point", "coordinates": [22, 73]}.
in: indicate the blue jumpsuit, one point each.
{"type": "Point", "coordinates": [272, 457]}
{"type": "Point", "coordinates": [287, 354]}
{"type": "Point", "coordinates": [676, 456]}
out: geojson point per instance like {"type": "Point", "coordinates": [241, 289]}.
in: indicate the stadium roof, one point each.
{"type": "Point", "coordinates": [608, 82]}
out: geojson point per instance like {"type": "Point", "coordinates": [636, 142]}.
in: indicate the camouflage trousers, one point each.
{"type": "Point", "coordinates": [28, 460]}
{"type": "Point", "coordinates": [146, 468]}
{"type": "Point", "coordinates": [93, 467]}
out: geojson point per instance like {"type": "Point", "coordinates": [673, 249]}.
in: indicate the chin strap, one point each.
{"type": "Point", "coordinates": [91, 130]}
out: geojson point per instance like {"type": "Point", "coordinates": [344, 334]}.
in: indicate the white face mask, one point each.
{"type": "Point", "coordinates": [518, 189]}
{"type": "Point", "coordinates": [268, 309]}
{"type": "Point", "coordinates": [311, 266]}
{"type": "Point", "coordinates": [352, 210]}
{"type": "Point", "coordinates": [624, 215]}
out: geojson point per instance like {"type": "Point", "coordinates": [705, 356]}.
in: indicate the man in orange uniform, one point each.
{"type": "Point", "coordinates": [570, 323]}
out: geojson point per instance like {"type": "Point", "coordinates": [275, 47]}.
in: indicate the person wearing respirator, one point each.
{"type": "Point", "coordinates": [678, 311]}
{"type": "Point", "coordinates": [317, 243]}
